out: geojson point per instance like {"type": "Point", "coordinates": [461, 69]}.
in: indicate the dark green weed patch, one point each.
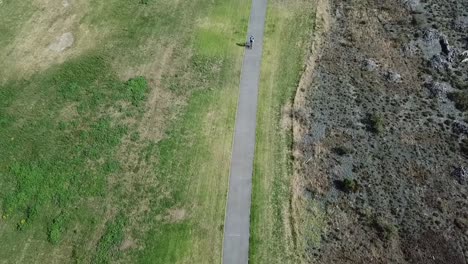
{"type": "Point", "coordinates": [107, 247]}
{"type": "Point", "coordinates": [137, 88]}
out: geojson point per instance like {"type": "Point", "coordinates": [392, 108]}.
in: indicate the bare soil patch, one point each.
{"type": "Point", "coordinates": [63, 42]}
{"type": "Point", "coordinates": [128, 244]}
{"type": "Point", "coordinates": [176, 215]}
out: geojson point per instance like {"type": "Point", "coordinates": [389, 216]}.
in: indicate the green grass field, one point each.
{"type": "Point", "coordinates": [288, 33]}
{"type": "Point", "coordinates": [118, 148]}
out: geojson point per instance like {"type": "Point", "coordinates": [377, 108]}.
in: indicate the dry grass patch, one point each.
{"type": "Point", "coordinates": [275, 202]}
{"type": "Point", "coordinates": [176, 215]}
{"type": "Point", "coordinates": [50, 36]}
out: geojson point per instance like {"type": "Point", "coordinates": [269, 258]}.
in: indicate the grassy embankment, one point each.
{"type": "Point", "coordinates": [101, 165]}
{"type": "Point", "coordinates": [288, 33]}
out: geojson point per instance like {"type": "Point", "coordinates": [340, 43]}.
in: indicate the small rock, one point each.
{"type": "Point", "coordinates": [369, 65]}
{"type": "Point", "coordinates": [410, 49]}
{"type": "Point", "coordinates": [461, 223]}
{"type": "Point", "coordinates": [345, 43]}
{"type": "Point", "coordinates": [338, 14]}
{"type": "Point", "coordinates": [464, 56]}
{"type": "Point", "coordinates": [433, 43]}
{"type": "Point", "coordinates": [439, 63]}
{"type": "Point", "coordinates": [440, 89]}
{"type": "Point", "coordinates": [444, 44]}
{"type": "Point", "coordinates": [427, 79]}
{"type": "Point", "coordinates": [459, 127]}
{"type": "Point", "coordinates": [393, 77]}
{"type": "Point", "coordinates": [308, 193]}
{"type": "Point", "coordinates": [460, 174]}
{"type": "Point", "coordinates": [414, 6]}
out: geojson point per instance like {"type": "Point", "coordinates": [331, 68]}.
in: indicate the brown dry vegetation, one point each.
{"type": "Point", "coordinates": [374, 112]}
{"type": "Point", "coordinates": [31, 50]}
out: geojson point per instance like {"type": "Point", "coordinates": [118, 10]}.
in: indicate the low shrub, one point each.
{"type": "Point", "coordinates": [375, 123]}
{"type": "Point", "coordinates": [460, 99]}
{"type": "Point", "coordinates": [347, 185]}
{"type": "Point", "coordinates": [385, 229]}
{"type": "Point", "coordinates": [342, 150]}
{"type": "Point", "coordinates": [56, 229]}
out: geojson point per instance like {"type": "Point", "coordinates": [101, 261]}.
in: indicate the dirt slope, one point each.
{"type": "Point", "coordinates": [385, 147]}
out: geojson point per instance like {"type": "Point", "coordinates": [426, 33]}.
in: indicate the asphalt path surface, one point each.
{"type": "Point", "coordinates": [237, 222]}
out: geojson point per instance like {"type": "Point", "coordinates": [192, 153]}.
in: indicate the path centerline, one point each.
{"type": "Point", "coordinates": [237, 221]}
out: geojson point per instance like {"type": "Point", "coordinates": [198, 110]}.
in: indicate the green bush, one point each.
{"type": "Point", "coordinates": [137, 88]}
{"type": "Point", "coordinates": [350, 185]}
{"type": "Point", "coordinates": [109, 242]}
{"type": "Point", "coordinates": [56, 229]}
{"type": "Point", "coordinates": [21, 225]}
{"type": "Point", "coordinates": [376, 123]}
{"type": "Point", "coordinates": [54, 235]}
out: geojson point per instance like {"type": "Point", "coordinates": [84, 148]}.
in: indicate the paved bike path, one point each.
{"type": "Point", "coordinates": [237, 222]}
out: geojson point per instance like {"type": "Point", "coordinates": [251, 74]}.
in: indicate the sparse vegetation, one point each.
{"type": "Point", "coordinates": [409, 152]}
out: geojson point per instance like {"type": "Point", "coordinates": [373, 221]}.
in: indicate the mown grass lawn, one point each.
{"type": "Point", "coordinates": [118, 149]}
{"type": "Point", "coordinates": [288, 33]}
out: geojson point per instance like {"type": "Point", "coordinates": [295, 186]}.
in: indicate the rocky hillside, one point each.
{"type": "Point", "coordinates": [385, 142]}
